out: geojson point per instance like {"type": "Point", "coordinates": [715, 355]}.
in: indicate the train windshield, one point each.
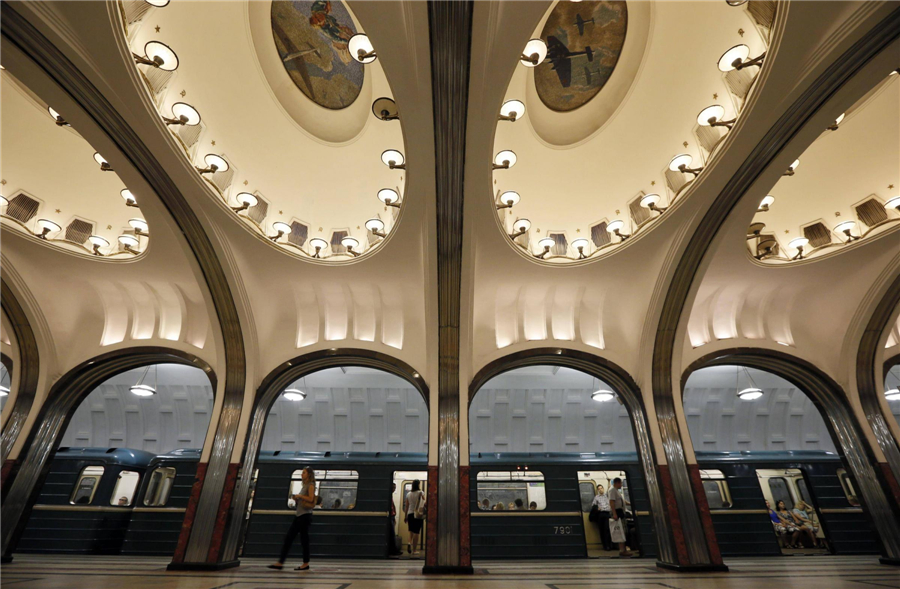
{"type": "Point", "coordinates": [84, 490]}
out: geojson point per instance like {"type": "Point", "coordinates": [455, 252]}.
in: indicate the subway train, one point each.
{"type": "Point", "coordinates": [535, 505]}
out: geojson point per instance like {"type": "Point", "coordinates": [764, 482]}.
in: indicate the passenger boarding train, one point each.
{"type": "Point", "coordinates": [119, 501]}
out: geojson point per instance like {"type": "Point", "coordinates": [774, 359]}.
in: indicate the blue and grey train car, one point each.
{"type": "Point", "coordinates": [538, 505]}
{"type": "Point", "coordinates": [738, 484]}
{"type": "Point", "coordinates": [356, 498]}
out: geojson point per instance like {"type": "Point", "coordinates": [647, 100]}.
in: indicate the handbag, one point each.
{"type": "Point", "coordinates": [594, 515]}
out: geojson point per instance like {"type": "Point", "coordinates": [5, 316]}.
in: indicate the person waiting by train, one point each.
{"type": "Point", "coordinates": [337, 504]}
{"type": "Point", "coordinates": [601, 502]}
{"type": "Point", "coordinates": [806, 527]}
{"type": "Point", "coordinates": [532, 506]}
{"type": "Point", "coordinates": [485, 504]}
{"type": "Point", "coordinates": [305, 501]}
{"type": "Point", "coordinates": [123, 501]}
{"type": "Point", "coordinates": [520, 505]}
{"type": "Point", "coordinates": [617, 510]}
{"type": "Point", "coordinates": [393, 550]}
{"type": "Point", "coordinates": [414, 507]}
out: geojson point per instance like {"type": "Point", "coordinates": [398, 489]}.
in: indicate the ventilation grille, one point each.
{"type": "Point", "coordinates": [259, 211]}
{"type": "Point", "coordinates": [739, 81]}
{"type": "Point", "coordinates": [599, 234]}
{"type": "Point", "coordinates": [675, 180]}
{"type": "Point", "coordinates": [561, 247]}
{"type": "Point", "coordinates": [189, 135]}
{"type": "Point", "coordinates": [157, 79]}
{"type": "Point", "coordinates": [762, 11]}
{"type": "Point", "coordinates": [871, 212]}
{"type": "Point", "coordinates": [78, 231]}
{"type": "Point", "coordinates": [709, 137]}
{"type": "Point", "coordinates": [299, 233]}
{"type": "Point", "coordinates": [135, 10]}
{"type": "Point", "coordinates": [336, 237]}
{"type": "Point", "coordinates": [22, 208]}
{"type": "Point", "coordinates": [222, 180]}
{"type": "Point", "coordinates": [638, 213]}
{"type": "Point", "coordinates": [817, 234]}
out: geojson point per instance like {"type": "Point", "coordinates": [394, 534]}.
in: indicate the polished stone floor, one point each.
{"type": "Point", "coordinates": [793, 572]}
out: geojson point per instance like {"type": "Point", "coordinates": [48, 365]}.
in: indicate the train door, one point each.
{"type": "Point", "coordinates": [404, 482]}
{"type": "Point", "coordinates": [588, 482]}
{"type": "Point", "coordinates": [788, 485]}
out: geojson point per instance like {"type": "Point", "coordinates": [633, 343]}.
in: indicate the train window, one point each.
{"type": "Point", "coordinates": [587, 490]}
{"type": "Point", "coordinates": [516, 490]}
{"type": "Point", "coordinates": [84, 490]}
{"type": "Point", "coordinates": [126, 485]}
{"type": "Point", "coordinates": [336, 488]}
{"type": "Point", "coordinates": [849, 487]}
{"type": "Point", "coordinates": [804, 492]}
{"type": "Point", "coordinates": [160, 486]}
{"type": "Point", "coordinates": [718, 495]}
{"type": "Point", "coordinates": [780, 492]}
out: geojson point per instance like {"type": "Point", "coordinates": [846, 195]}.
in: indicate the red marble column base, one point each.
{"type": "Point", "coordinates": [888, 477]}
{"type": "Point", "coordinates": [215, 545]}
{"type": "Point", "coordinates": [189, 514]}
{"type": "Point", "coordinates": [671, 508]}
{"type": "Point", "coordinates": [465, 551]}
{"type": "Point", "coordinates": [712, 544]}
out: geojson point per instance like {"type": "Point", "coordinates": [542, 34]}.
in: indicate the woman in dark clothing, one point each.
{"type": "Point", "coordinates": [306, 502]}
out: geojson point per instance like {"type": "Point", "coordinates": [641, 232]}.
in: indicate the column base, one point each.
{"type": "Point", "coordinates": [202, 566]}
{"type": "Point", "coordinates": [890, 561]}
{"type": "Point", "coordinates": [692, 568]}
{"type": "Point", "coordinates": [447, 570]}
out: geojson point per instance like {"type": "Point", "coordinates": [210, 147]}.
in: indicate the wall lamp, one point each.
{"type": "Point", "coordinates": [158, 3]}
{"type": "Point", "coordinates": [104, 165]}
{"type": "Point", "coordinates": [736, 58]}
{"type": "Point", "coordinates": [57, 118]}
{"type": "Point", "coordinates": [158, 55]}
{"type": "Point", "coordinates": [504, 160]}
{"type": "Point", "coordinates": [280, 228]}
{"type": "Point", "coordinates": [183, 114]}
{"type": "Point", "coordinates": [520, 227]}
{"type": "Point", "coordinates": [845, 229]}
{"type": "Point", "coordinates": [509, 199]}
{"type": "Point", "coordinates": [361, 48]}
{"type": "Point", "coordinates": [376, 226]}
{"type": "Point", "coordinates": [681, 162]}
{"type": "Point", "coordinates": [765, 203]}
{"type": "Point", "coordinates": [393, 159]}
{"type": "Point", "coordinates": [130, 200]}
{"type": "Point", "coordinates": [512, 110]}
{"type": "Point", "coordinates": [140, 227]}
{"type": "Point", "coordinates": [650, 201]}
{"type": "Point", "coordinates": [534, 53]}
{"type": "Point", "coordinates": [837, 121]}
{"type": "Point", "coordinates": [798, 243]}
{"type": "Point", "coordinates": [580, 245]}
{"type": "Point", "coordinates": [47, 226]}
{"type": "Point", "coordinates": [893, 203]}
{"type": "Point", "coordinates": [792, 168]}
{"type": "Point", "coordinates": [317, 244]}
{"type": "Point", "coordinates": [247, 200]}
{"type": "Point", "coordinates": [130, 243]}
{"type": "Point", "coordinates": [350, 243]}
{"type": "Point", "coordinates": [736, 2]}
{"type": "Point", "coordinates": [385, 109]}
{"type": "Point", "coordinates": [545, 245]}
{"type": "Point", "coordinates": [97, 242]}
{"type": "Point", "coordinates": [712, 116]}
{"type": "Point", "coordinates": [755, 229]}
{"type": "Point", "coordinates": [389, 197]}
{"type": "Point", "coordinates": [214, 163]}
{"type": "Point", "coordinates": [615, 227]}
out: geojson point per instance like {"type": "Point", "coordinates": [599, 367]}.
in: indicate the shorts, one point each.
{"type": "Point", "coordinates": [415, 524]}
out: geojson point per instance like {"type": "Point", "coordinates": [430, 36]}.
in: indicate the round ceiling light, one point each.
{"type": "Point", "coordinates": [158, 3]}
{"type": "Point", "coordinates": [505, 159]}
{"type": "Point", "coordinates": [247, 199]}
{"type": "Point", "coordinates": [893, 203]}
{"type": "Point", "coordinates": [602, 396]}
{"type": "Point", "coordinates": [615, 225]}
{"type": "Point", "coordinates": [351, 243]}
{"type": "Point", "coordinates": [129, 197]}
{"type": "Point", "coordinates": [388, 196]}
{"type": "Point", "coordinates": [129, 240]}
{"type": "Point", "coordinates": [649, 201]}
{"type": "Point", "coordinates": [375, 225]}
{"type": "Point", "coordinates": [766, 202]}
{"type": "Point", "coordinates": [294, 395]}
{"type": "Point", "coordinates": [185, 114]}
{"type": "Point", "coordinates": [361, 48]}
{"type": "Point", "coordinates": [392, 158]}
{"type": "Point", "coordinates": [385, 109]}
{"type": "Point", "coordinates": [732, 57]}
{"type": "Point", "coordinates": [521, 225]}
{"type": "Point", "coordinates": [892, 394]}
{"type": "Point", "coordinates": [48, 226]}
{"type": "Point", "coordinates": [162, 55]}
{"type": "Point", "coordinates": [710, 115]}
{"type": "Point", "coordinates": [512, 110]}
{"type": "Point", "coordinates": [534, 53]}
{"type": "Point", "coordinates": [281, 227]}
{"type": "Point", "coordinates": [143, 390]}
{"type": "Point", "coordinates": [139, 225]}
{"type": "Point", "coordinates": [98, 241]}
{"type": "Point", "coordinates": [793, 167]}
{"type": "Point", "coordinates": [510, 198]}
{"type": "Point", "coordinates": [215, 163]}
{"type": "Point", "coordinates": [798, 242]}
{"type": "Point", "coordinates": [682, 159]}
{"type": "Point", "coordinates": [317, 244]}
{"type": "Point", "coordinates": [100, 159]}
{"type": "Point", "coordinates": [845, 228]}
{"type": "Point", "coordinates": [750, 394]}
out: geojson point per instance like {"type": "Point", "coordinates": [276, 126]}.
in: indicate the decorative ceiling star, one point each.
{"type": "Point", "coordinates": [889, 185]}
{"type": "Point", "coordinates": [538, 230]}
{"type": "Point", "coordinates": [213, 141]}
{"type": "Point", "coordinates": [837, 213]}
{"type": "Point", "coordinates": [320, 229]}
{"type": "Point", "coordinates": [157, 28]}
{"type": "Point", "coordinates": [108, 227]}
{"type": "Point", "coordinates": [715, 95]}
{"type": "Point", "coordinates": [652, 182]}
{"type": "Point", "coordinates": [246, 182]}
{"type": "Point", "coordinates": [685, 143]}
{"type": "Point", "coordinates": [741, 32]}
{"type": "Point", "coordinates": [576, 231]}
{"type": "Point", "coordinates": [787, 230]}
{"type": "Point", "coordinates": [280, 212]}
{"type": "Point", "coordinates": [58, 211]}
{"type": "Point", "coordinates": [3, 182]}
{"type": "Point", "coordinates": [617, 211]}
{"type": "Point", "coordinates": [357, 226]}
{"type": "Point", "coordinates": [183, 93]}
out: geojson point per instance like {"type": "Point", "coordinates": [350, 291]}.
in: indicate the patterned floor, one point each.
{"type": "Point", "coordinates": [812, 572]}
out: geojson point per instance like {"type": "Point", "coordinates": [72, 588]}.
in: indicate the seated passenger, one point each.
{"type": "Point", "coordinates": [485, 505]}
{"type": "Point", "coordinates": [499, 506]}
{"type": "Point", "coordinates": [511, 506]}
{"type": "Point", "coordinates": [520, 505]}
{"type": "Point", "coordinates": [336, 504]}
{"type": "Point", "coordinates": [532, 506]}
{"type": "Point", "coordinates": [777, 524]}
{"type": "Point", "coordinates": [123, 501]}
{"type": "Point", "coordinates": [318, 502]}
{"type": "Point", "coordinates": [806, 525]}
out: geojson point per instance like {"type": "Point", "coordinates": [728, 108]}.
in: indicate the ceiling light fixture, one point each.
{"type": "Point", "coordinates": [140, 226]}
{"type": "Point", "coordinates": [183, 114]}
{"type": "Point", "coordinates": [4, 391]}
{"type": "Point", "coordinates": [158, 3]}
{"type": "Point", "coordinates": [837, 121]}
{"type": "Point", "coordinates": [350, 243]}
{"type": "Point", "coordinates": [845, 229]}
{"type": "Point", "coordinates": [294, 395]}
{"type": "Point", "coordinates": [130, 243]}
{"type": "Point", "coordinates": [534, 53]}
{"type": "Point", "coordinates": [749, 393]}
{"type": "Point", "coordinates": [736, 2]}
{"type": "Point", "coordinates": [130, 200]}
{"type": "Point", "coordinates": [893, 203]}
{"type": "Point", "coordinates": [650, 201]}
{"type": "Point", "coordinates": [602, 396]}
{"type": "Point", "coordinates": [97, 242]}
{"type": "Point", "coordinates": [681, 162]}
{"type": "Point", "coordinates": [755, 229]}
{"type": "Point", "coordinates": [361, 48]}
{"type": "Point", "coordinates": [57, 118]}
{"type": "Point", "coordinates": [318, 244]}
{"type": "Point", "coordinates": [390, 197]}
{"type": "Point", "coordinates": [765, 203]}
{"type": "Point", "coordinates": [792, 168]}
{"type": "Point", "coordinates": [281, 228]}
{"type": "Point", "coordinates": [509, 199]}
{"type": "Point", "coordinates": [798, 243]}
{"type": "Point", "coordinates": [615, 227]}
{"type": "Point", "coordinates": [104, 165]}
{"type": "Point", "coordinates": [712, 116]}
{"type": "Point", "coordinates": [736, 58]}
{"type": "Point", "coordinates": [521, 227]}
{"type": "Point", "coordinates": [393, 159]}
{"type": "Point", "coordinates": [47, 226]}
{"type": "Point", "coordinates": [247, 200]}
{"type": "Point", "coordinates": [512, 110]}
{"type": "Point", "coordinates": [545, 245]}
{"type": "Point", "coordinates": [158, 55]}
{"type": "Point", "coordinates": [143, 390]}
{"type": "Point", "coordinates": [214, 163]}
{"type": "Point", "coordinates": [385, 109]}
{"type": "Point", "coordinates": [580, 245]}
{"type": "Point", "coordinates": [892, 394]}
{"type": "Point", "coordinates": [505, 160]}
{"type": "Point", "coordinates": [376, 226]}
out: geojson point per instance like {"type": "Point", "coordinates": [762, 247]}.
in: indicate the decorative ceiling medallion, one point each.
{"type": "Point", "coordinates": [584, 41]}
{"type": "Point", "coordinates": [311, 39]}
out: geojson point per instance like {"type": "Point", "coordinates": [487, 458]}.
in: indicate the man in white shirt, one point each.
{"type": "Point", "coordinates": [617, 509]}
{"type": "Point", "coordinates": [601, 502]}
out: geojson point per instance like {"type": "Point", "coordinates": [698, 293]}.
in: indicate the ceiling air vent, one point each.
{"type": "Point", "coordinates": [299, 234]}
{"type": "Point", "coordinates": [739, 82]}
{"type": "Point", "coordinates": [817, 234]}
{"type": "Point", "coordinates": [258, 211]}
{"type": "Point", "coordinates": [638, 213]}
{"type": "Point", "coordinates": [336, 237]}
{"type": "Point", "coordinates": [762, 11]}
{"type": "Point", "coordinates": [22, 208]}
{"type": "Point", "coordinates": [676, 180]}
{"type": "Point", "coordinates": [871, 212]}
{"type": "Point", "coordinates": [78, 231]}
{"type": "Point", "coordinates": [561, 247]}
{"type": "Point", "coordinates": [599, 234]}
{"type": "Point", "coordinates": [222, 180]}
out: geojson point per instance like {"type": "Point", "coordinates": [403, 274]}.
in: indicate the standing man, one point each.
{"type": "Point", "coordinates": [617, 509]}
{"type": "Point", "coordinates": [392, 551]}
{"type": "Point", "coordinates": [601, 501]}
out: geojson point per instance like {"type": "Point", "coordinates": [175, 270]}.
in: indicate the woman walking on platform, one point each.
{"type": "Point", "coordinates": [306, 502]}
